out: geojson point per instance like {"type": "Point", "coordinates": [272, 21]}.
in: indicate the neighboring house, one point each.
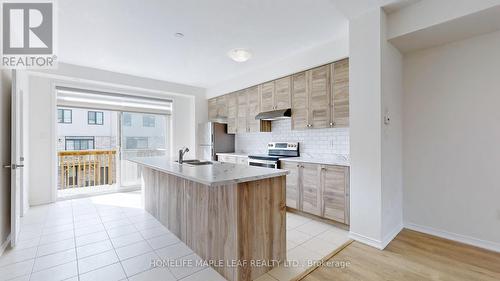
{"type": "Point", "coordinates": [83, 131]}
{"type": "Point", "coordinates": [86, 129]}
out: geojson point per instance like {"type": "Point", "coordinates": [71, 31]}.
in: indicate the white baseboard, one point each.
{"type": "Point", "coordinates": [4, 245]}
{"type": "Point", "coordinates": [488, 245]}
{"type": "Point", "coordinates": [366, 240]}
{"type": "Point", "coordinates": [389, 237]}
{"type": "Point", "coordinates": [374, 242]}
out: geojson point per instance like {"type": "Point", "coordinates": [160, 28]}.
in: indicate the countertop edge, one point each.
{"type": "Point", "coordinates": [316, 161]}
{"type": "Point", "coordinates": [217, 183]}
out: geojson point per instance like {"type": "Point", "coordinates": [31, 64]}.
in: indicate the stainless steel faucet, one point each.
{"type": "Point", "coordinates": [182, 151]}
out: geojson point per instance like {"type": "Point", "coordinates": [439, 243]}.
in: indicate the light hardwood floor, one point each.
{"type": "Point", "coordinates": [413, 256]}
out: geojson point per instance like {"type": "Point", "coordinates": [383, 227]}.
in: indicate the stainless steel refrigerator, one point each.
{"type": "Point", "coordinates": [212, 139]}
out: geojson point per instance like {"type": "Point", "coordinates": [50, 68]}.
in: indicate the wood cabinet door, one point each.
{"type": "Point", "coordinates": [242, 111]}
{"type": "Point", "coordinates": [335, 190]}
{"type": "Point", "coordinates": [292, 184]}
{"type": "Point", "coordinates": [267, 97]}
{"type": "Point", "coordinates": [310, 188]}
{"type": "Point", "coordinates": [340, 93]}
{"type": "Point", "coordinates": [232, 112]}
{"type": "Point", "coordinates": [212, 109]}
{"type": "Point", "coordinates": [221, 106]}
{"type": "Point", "coordinates": [253, 109]}
{"type": "Point", "coordinates": [282, 94]}
{"type": "Point", "coordinates": [300, 101]}
{"type": "Point", "coordinates": [319, 97]}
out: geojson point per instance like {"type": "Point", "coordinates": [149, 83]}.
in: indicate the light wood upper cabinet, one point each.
{"type": "Point", "coordinates": [212, 109]}
{"type": "Point", "coordinates": [267, 97]}
{"type": "Point", "coordinates": [311, 192]}
{"type": "Point", "coordinates": [335, 184]}
{"type": "Point", "coordinates": [242, 111]}
{"type": "Point", "coordinates": [217, 108]}
{"type": "Point", "coordinates": [253, 109]}
{"type": "Point", "coordinates": [300, 101]}
{"type": "Point", "coordinates": [221, 106]}
{"type": "Point", "coordinates": [276, 94]}
{"type": "Point", "coordinates": [319, 97]}
{"type": "Point", "coordinates": [232, 113]}
{"type": "Point", "coordinates": [340, 93]}
{"type": "Point", "coordinates": [292, 184]}
{"type": "Point", "coordinates": [282, 94]}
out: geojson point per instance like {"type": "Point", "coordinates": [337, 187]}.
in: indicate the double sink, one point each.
{"type": "Point", "coordinates": [195, 162]}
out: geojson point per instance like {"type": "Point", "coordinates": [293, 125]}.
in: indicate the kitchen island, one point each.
{"type": "Point", "coordinates": [233, 216]}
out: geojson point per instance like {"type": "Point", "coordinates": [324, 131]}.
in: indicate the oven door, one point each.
{"type": "Point", "coordinates": [263, 163]}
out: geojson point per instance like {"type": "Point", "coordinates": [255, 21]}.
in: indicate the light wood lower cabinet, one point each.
{"type": "Point", "coordinates": [321, 190]}
{"type": "Point", "coordinates": [292, 184]}
{"type": "Point", "coordinates": [335, 185]}
{"type": "Point", "coordinates": [311, 192]}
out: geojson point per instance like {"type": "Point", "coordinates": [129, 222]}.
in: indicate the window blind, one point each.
{"type": "Point", "coordinates": [82, 98]}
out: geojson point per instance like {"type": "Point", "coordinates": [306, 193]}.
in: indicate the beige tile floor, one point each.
{"type": "Point", "coordinates": [111, 237]}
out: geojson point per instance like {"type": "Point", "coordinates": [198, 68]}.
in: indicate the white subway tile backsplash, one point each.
{"type": "Point", "coordinates": [313, 142]}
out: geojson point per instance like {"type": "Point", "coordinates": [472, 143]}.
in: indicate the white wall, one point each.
{"type": "Point", "coordinates": [5, 105]}
{"type": "Point", "coordinates": [376, 153]}
{"type": "Point", "coordinates": [316, 143]}
{"type": "Point", "coordinates": [328, 52]}
{"type": "Point", "coordinates": [451, 140]}
{"type": "Point", "coordinates": [392, 137]}
{"type": "Point", "coordinates": [427, 13]}
{"type": "Point", "coordinates": [365, 128]}
{"type": "Point", "coordinates": [189, 107]}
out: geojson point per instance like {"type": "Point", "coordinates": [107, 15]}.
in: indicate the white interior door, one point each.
{"type": "Point", "coordinates": [16, 163]}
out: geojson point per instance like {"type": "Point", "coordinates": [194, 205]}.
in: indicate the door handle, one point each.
{"type": "Point", "coordinates": [13, 166]}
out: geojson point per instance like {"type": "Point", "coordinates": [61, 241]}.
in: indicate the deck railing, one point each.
{"type": "Point", "coordinates": [81, 168]}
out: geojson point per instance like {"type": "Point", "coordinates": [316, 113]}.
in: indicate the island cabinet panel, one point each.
{"type": "Point", "coordinates": [340, 93]}
{"type": "Point", "coordinates": [267, 97]}
{"type": "Point", "coordinates": [230, 222]}
{"type": "Point", "coordinates": [335, 181]}
{"type": "Point", "coordinates": [311, 189]}
{"type": "Point", "coordinates": [282, 96]}
{"type": "Point", "coordinates": [300, 101]}
{"type": "Point", "coordinates": [232, 113]}
{"type": "Point", "coordinates": [319, 97]}
{"type": "Point", "coordinates": [292, 184]}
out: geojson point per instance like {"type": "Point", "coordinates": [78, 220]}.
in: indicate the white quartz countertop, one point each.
{"type": "Point", "coordinates": [237, 154]}
{"type": "Point", "coordinates": [335, 161]}
{"type": "Point", "coordinates": [213, 175]}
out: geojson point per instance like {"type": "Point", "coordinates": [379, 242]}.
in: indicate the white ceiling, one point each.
{"type": "Point", "coordinates": [137, 37]}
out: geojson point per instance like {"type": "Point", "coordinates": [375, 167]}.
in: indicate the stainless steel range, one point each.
{"type": "Point", "coordinates": [275, 151]}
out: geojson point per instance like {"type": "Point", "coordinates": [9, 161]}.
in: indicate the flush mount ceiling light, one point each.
{"type": "Point", "coordinates": [179, 35]}
{"type": "Point", "coordinates": [239, 55]}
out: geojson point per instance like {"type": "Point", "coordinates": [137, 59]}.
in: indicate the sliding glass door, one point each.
{"type": "Point", "coordinates": [142, 135]}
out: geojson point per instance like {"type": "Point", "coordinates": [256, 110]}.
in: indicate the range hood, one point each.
{"type": "Point", "coordinates": [274, 115]}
